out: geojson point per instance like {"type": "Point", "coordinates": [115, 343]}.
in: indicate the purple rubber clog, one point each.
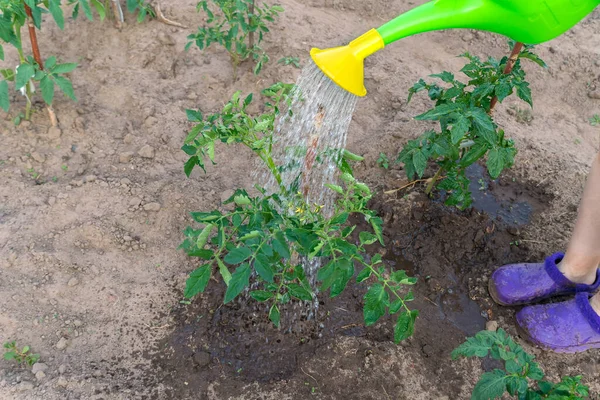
{"type": "Point", "coordinates": [517, 284]}
{"type": "Point", "coordinates": [568, 327]}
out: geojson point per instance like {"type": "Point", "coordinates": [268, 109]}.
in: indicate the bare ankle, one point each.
{"type": "Point", "coordinates": [585, 276]}
{"type": "Point", "coordinates": [595, 302]}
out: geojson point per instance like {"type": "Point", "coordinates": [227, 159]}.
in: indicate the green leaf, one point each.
{"type": "Point", "coordinates": [194, 116]}
{"type": "Point", "coordinates": [335, 188]}
{"type": "Point", "coordinates": [100, 9]}
{"type": "Point", "coordinates": [460, 128]}
{"type": "Point", "coordinates": [197, 281]}
{"type": "Point", "coordinates": [491, 386]}
{"type": "Point", "coordinates": [47, 87]}
{"type": "Point", "coordinates": [473, 154]}
{"type": "Point", "coordinates": [438, 112]}
{"type": "Point", "coordinates": [239, 281]}
{"type": "Point", "coordinates": [225, 274]}
{"type": "Point", "coordinates": [263, 268]}
{"type": "Point", "coordinates": [535, 372]}
{"type": "Point", "coordinates": [524, 93]}
{"type": "Point", "coordinates": [50, 62]}
{"type": "Point", "coordinates": [376, 301]}
{"type": "Point", "coordinates": [205, 254]}
{"type": "Point", "coordinates": [237, 255]}
{"type": "Point", "coordinates": [364, 274]}
{"type": "Point", "coordinates": [533, 57]}
{"type": "Point", "coordinates": [205, 217]}
{"type": "Point", "coordinates": [351, 156]}
{"type": "Point", "coordinates": [478, 346]}
{"type": "Point", "coordinates": [495, 163]}
{"type": "Point", "coordinates": [87, 10]}
{"type": "Point", "coordinates": [1, 53]}
{"type": "Point", "coordinates": [367, 238]}
{"type": "Point", "coordinates": [274, 315]}
{"type": "Point", "coordinates": [417, 87]}
{"type": "Point", "coordinates": [4, 97]}
{"type": "Point", "coordinates": [405, 326]}
{"type": "Point", "coordinates": [420, 162]}
{"type": "Point", "coordinates": [340, 219]}
{"type": "Point", "coordinates": [481, 120]}
{"type": "Point", "coordinates": [10, 355]}
{"type": "Point", "coordinates": [248, 100]}
{"type": "Point", "coordinates": [25, 349]}
{"type": "Point", "coordinates": [503, 90]}
{"type": "Point", "coordinates": [241, 200]}
{"type": "Point", "coordinates": [335, 275]}
{"type": "Point", "coordinates": [395, 306]}
{"type": "Point", "coordinates": [444, 76]}
{"type": "Point", "coordinates": [261, 295]}
{"type": "Point", "coordinates": [299, 292]}
{"type": "Point", "coordinates": [189, 165]}
{"type": "Point", "coordinates": [280, 245]}
{"type": "Point", "coordinates": [377, 225]}
{"type": "Point", "coordinates": [399, 276]}
{"type": "Point", "coordinates": [24, 73]}
{"type": "Point", "coordinates": [8, 74]}
{"type": "Point", "coordinates": [203, 236]}
{"type": "Point", "coordinates": [57, 13]}
{"type": "Point", "coordinates": [483, 90]}
{"type": "Point", "coordinates": [65, 85]}
{"type": "Point", "coordinates": [64, 68]}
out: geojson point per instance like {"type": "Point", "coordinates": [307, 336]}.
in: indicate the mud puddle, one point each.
{"type": "Point", "coordinates": [511, 207]}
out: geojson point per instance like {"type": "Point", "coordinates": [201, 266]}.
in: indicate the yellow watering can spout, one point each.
{"type": "Point", "coordinates": [345, 65]}
{"type": "Point", "coordinates": [527, 21]}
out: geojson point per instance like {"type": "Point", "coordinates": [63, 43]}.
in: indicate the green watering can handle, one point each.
{"type": "Point", "coordinates": [528, 21]}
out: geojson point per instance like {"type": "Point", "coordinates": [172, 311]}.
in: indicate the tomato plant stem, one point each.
{"type": "Point", "coordinates": [250, 18]}
{"type": "Point", "coordinates": [514, 56]}
{"type": "Point", "coordinates": [311, 152]}
{"type": "Point", "coordinates": [38, 59]}
{"type": "Point", "coordinates": [33, 37]}
{"type": "Point", "coordinates": [118, 13]}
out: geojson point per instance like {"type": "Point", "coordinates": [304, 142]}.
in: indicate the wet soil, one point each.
{"type": "Point", "coordinates": [451, 252]}
{"type": "Point", "coordinates": [92, 202]}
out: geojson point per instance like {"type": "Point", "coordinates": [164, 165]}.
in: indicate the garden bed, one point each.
{"type": "Point", "coordinates": [91, 217]}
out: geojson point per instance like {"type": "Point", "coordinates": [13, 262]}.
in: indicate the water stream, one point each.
{"type": "Point", "coordinates": [308, 144]}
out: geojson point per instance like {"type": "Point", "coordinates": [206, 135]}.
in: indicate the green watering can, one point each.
{"type": "Point", "coordinates": [527, 21]}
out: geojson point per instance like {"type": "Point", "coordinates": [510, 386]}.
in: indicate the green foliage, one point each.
{"type": "Point", "coordinates": [142, 7]}
{"type": "Point", "coordinates": [234, 125]}
{"type": "Point", "coordinates": [293, 61]}
{"type": "Point", "coordinates": [383, 161]}
{"type": "Point", "coordinates": [595, 120]}
{"type": "Point", "coordinates": [521, 378]}
{"type": "Point", "coordinates": [467, 131]}
{"type": "Point", "coordinates": [266, 241]}
{"type": "Point", "coordinates": [13, 17]}
{"type": "Point", "coordinates": [239, 26]}
{"type": "Point", "coordinates": [20, 356]}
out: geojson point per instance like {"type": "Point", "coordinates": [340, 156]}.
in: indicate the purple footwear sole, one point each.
{"type": "Point", "coordinates": [568, 327]}
{"type": "Point", "coordinates": [518, 284]}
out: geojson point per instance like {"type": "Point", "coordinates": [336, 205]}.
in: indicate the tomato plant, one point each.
{"type": "Point", "coordinates": [231, 24]}
{"type": "Point", "coordinates": [48, 74]}
{"type": "Point", "coordinates": [277, 243]}
{"type": "Point", "coordinates": [467, 130]}
{"type": "Point", "coordinates": [521, 377]}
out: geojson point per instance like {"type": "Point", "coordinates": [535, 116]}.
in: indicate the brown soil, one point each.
{"type": "Point", "coordinates": [88, 248]}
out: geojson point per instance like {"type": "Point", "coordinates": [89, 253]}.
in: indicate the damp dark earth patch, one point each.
{"type": "Point", "coordinates": [450, 251]}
